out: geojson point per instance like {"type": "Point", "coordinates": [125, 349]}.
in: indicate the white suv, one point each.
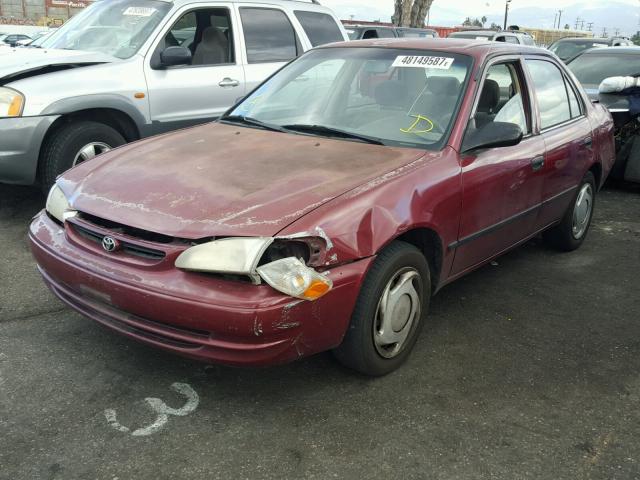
{"type": "Point", "coordinates": [126, 69]}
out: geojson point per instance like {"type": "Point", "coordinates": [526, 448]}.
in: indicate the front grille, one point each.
{"type": "Point", "coordinates": [126, 247]}
{"type": "Point", "coordinates": [126, 230]}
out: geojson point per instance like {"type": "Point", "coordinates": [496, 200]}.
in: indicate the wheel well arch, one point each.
{"type": "Point", "coordinates": [429, 243]}
{"type": "Point", "coordinates": [596, 169]}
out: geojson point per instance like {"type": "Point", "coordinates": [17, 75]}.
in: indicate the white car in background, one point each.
{"type": "Point", "coordinates": [122, 70]}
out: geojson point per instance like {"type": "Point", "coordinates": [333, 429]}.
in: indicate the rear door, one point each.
{"type": "Point", "coordinates": [502, 187]}
{"type": "Point", "coordinates": [189, 94]}
{"type": "Point", "coordinates": [270, 41]}
{"type": "Point", "coordinates": [567, 136]}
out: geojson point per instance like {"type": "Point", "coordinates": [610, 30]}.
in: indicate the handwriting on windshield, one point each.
{"type": "Point", "coordinates": [421, 125]}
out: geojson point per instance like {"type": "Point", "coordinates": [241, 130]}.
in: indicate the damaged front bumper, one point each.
{"type": "Point", "coordinates": [20, 142]}
{"type": "Point", "coordinates": [195, 315]}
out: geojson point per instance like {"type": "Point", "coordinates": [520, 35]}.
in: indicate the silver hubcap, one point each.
{"type": "Point", "coordinates": [582, 211]}
{"type": "Point", "coordinates": [398, 312]}
{"type": "Point", "coordinates": [89, 151]}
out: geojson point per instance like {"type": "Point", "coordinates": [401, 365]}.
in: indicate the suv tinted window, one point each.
{"type": "Point", "coordinates": [269, 35]}
{"type": "Point", "coordinates": [319, 27]}
{"type": "Point", "coordinates": [385, 33]}
{"type": "Point", "coordinates": [551, 92]}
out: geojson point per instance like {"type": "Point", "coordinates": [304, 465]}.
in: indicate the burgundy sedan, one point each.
{"type": "Point", "coordinates": [324, 210]}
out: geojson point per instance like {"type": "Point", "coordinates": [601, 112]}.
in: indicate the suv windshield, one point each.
{"type": "Point", "coordinates": [114, 27]}
{"type": "Point", "coordinates": [381, 95]}
{"type": "Point", "coordinates": [591, 70]}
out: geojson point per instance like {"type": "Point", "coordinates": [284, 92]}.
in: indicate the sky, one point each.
{"type": "Point", "coordinates": [453, 12]}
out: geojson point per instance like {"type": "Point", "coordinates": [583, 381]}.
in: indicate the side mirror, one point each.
{"type": "Point", "coordinates": [493, 135]}
{"type": "Point", "coordinates": [172, 56]}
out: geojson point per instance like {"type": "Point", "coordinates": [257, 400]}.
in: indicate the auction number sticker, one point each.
{"type": "Point", "coordinates": [139, 11]}
{"type": "Point", "coordinates": [442, 63]}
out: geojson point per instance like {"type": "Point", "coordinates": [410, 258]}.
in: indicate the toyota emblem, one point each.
{"type": "Point", "coordinates": [110, 244]}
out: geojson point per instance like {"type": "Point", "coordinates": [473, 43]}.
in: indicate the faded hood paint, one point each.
{"type": "Point", "coordinates": [16, 62]}
{"type": "Point", "coordinates": [222, 180]}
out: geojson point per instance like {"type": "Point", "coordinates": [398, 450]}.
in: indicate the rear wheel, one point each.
{"type": "Point", "coordinates": [569, 234]}
{"type": "Point", "coordinates": [74, 143]}
{"type": "Point", "coordinates": [389, 312]}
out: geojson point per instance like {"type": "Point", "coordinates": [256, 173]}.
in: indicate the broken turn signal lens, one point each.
{"type": "Point", "coordinates": [291, 276]}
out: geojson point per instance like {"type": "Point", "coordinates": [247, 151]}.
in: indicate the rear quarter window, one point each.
{"type": "Point", "coordinates": [319, 27]}
{"type": "Point", "coordinates": [269, 35]}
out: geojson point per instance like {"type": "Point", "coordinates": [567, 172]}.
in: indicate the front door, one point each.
{"type": "Point", "coordinates": [186, 95]}
{"type": "Point", "coordinates": [502, 187]}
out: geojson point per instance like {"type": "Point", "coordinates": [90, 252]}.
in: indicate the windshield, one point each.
{"type": "Point", "coordinates": [394, 96]}
{"type": "Point", "coordinates": [114, 27]}
{"type": "Point", "coordinates": [591, 70]}
{"type": "Point", "coordinates": [568, 50]}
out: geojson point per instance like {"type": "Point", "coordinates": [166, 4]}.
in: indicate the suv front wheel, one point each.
{"type": "Point", "coordinates": [74, 143]}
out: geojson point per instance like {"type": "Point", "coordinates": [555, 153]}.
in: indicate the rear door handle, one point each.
{"type": "Point", "coordinates": [229, 82]}
{"type": "Point", "coordinates": [537, 163]}
{"type": "Point", "coordinates": [587, 142]}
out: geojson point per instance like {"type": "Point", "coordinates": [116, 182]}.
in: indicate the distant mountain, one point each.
{"type": "Point", "coordinates": [609, 15]}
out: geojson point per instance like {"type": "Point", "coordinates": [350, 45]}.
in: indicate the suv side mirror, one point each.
{"type": "Point", "coordinates": [493, 135]}
{"type": "Point", "coordinates": [172, 56]}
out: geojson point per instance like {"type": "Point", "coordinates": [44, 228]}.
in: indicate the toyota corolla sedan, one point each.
{"type": "Point", "coordinates": [325, 209]}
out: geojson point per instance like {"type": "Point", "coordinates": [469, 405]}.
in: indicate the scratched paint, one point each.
{"type": "Point", "coordinates": [161, 409]}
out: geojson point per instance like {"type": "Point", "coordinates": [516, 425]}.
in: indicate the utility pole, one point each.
{"type": "Point", "coordinates": [577, 22]}
{"type": "Point", "coordinates": [559, 18]}
{"type": "Point", "coordinates": [617, 30]}
{"type": "Point", "coordinates": [555, 20]}
{"type": "Point", "coordinates": [590, 27]}
{"type": "Point", "coordinates": [582, 25]}
{"type": "Point", "coordinates": [604, 32]}
{"type": "Point", "coordinates": [506, 13]}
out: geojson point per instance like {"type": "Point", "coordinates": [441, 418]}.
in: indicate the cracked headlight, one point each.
{"type": "Point", "coordinates": [11, 102]}
{"type": "Point", "coordinates": [235, 256]}
{"type": "Point", "coordinates": [58, 206]}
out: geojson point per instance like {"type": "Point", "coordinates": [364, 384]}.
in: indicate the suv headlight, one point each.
{"type": "Point", "coordinates": [58, 206]}
{"type": "Point", "coordinates": [283, 263]}
{"type": "Point", "coordinates": [11, 102]}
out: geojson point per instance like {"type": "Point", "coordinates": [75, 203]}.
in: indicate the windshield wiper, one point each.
{"type": "Point", "coordinates": [254, 122]}
{"type": "Point", "coordinates": [332, 132]}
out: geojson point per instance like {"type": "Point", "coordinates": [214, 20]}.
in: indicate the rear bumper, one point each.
{"type": "Point", "coordinates": [195, 315]}
{"type": "Point", "coordinates": [20, 142]}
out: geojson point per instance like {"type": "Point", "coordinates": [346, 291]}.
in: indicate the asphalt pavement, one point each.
{"type": "Point", "coordinates": [528, 369]}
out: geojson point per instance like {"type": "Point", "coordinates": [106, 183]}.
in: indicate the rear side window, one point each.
{"type": "Point", "coordinates": [527, 40]}
{"type": "Point", "coordinates": [269, 35]}
{"type": "Point", "coordinates": [551, 92]}
{"type": "Point", "coordinates": [385, 33]}
{"type": "Point", "coordinates": [319, 27]}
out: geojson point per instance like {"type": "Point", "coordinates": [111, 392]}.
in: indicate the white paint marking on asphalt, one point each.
{"type": "Point", "coordinates": [161, 409]}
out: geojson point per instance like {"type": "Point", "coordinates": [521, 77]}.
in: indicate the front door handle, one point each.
{"type": "Point", "coordinates": [587, 142]}
{"type": "Point", "coordinates": [229, 82]}
{"type": "Point", "coordinates": [537, 163]}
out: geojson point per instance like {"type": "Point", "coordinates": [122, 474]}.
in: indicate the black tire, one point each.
{"type": "Point", "coordinates": [562, 236]}
{"type": "Point", "coordinates": [64, 144]}
{"type": "Point", "coordinates": [358, 349]}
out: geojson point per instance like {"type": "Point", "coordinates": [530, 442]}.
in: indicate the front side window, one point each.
{"type": "Point", "coordinates": [269, 35]}
{"type": "Point", "coordinates": [117, 28]}
{"type": "Point", "coordinates": [501, 98]}
{"type": "Point", "coordinates": [319, 27]}
{"type": "Point", "coordinates": [395, 97]}
{"type": "Point", "coordinates": [206, 33]}
{"type": "Point", "coordinates": [551, 93]}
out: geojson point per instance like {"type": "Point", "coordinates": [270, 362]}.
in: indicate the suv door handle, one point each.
{"type": "Point", "coordinates": [229, 82]}
{"type": "Point", "coordinates": [537, 163]}
{"type": "Point", "coordinates": [587, 142]}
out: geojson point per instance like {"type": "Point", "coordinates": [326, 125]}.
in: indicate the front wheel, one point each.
{"type": "Point", "coordinates": [389, 312]}
{"type": "Point", "coordinates": [569, 234]}
{"type": "Point", "coordinates": [74, 143]}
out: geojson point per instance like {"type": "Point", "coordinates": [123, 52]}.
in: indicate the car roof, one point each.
{"type": "Point", "coordinates": [629, 50]}
{"type": "Point", "coordinates": [309, 5]}
{"type": "Point", "coordinates": [452, 45]}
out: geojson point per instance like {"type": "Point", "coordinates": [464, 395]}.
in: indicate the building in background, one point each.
{"type": "Point", "coordinates": [39, 12]}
